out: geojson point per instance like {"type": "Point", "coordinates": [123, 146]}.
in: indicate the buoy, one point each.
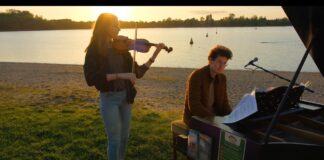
{"type": "Point", "coordinates": [191, 41]}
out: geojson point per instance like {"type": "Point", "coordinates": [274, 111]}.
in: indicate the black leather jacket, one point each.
{"type": "Point", "coordinates": [96, 67]}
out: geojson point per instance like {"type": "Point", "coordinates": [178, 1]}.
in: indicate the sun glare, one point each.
{"type": "Point", "coordinates": [121, 12]}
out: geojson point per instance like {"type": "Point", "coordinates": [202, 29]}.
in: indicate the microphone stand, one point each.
{"type": "Point", "coordinates": [279, 76]}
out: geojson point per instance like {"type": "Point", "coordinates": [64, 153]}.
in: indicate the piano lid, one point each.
{"type": "Point", "coordinates": [307, 23]}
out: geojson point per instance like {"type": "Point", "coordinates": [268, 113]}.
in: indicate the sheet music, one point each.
{"type": "Point", "coordinates": [243, 109]}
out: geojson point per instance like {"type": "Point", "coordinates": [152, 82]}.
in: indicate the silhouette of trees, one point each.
{"type": "Point", "coordinates": [13, 20]}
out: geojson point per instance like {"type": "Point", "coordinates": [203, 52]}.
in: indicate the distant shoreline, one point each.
{"type": "Point", "coordinates": [142, 28]}
{"type": "Point", "coordinates": [16, 20]}
{"type": "Point", "coordinates": [61, 64]}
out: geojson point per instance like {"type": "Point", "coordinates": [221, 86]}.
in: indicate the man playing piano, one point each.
{"type": "Point", "coordinates": [206, 94]}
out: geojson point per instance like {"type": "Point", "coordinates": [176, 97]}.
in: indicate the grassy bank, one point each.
{"type": "Point", "coordinates": [57, 124]}
{"type": "Point", "coordinates": [48, 112]}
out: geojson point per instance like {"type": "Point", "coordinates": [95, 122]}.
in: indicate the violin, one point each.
{"type": "Point", "coordinates": [124, 44]}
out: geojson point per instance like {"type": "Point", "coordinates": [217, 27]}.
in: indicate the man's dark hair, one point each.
{"type": "Point", "coordinates": [219, 50]}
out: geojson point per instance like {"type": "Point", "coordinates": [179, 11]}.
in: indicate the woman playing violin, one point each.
{"type": "Point", "coordinates": [109, 69]}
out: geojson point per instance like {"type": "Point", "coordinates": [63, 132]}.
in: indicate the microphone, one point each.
{"type": "Point", "coordinates": [252, 61]}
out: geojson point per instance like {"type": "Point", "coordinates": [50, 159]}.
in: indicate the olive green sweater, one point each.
{"type": "Point", "coordinates": [197, 94]}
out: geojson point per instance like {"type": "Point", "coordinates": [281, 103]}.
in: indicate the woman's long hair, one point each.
{"type": "Point", "coordinates": [100, 36]}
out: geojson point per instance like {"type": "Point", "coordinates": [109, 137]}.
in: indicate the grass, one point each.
{"type": "Point", "coordinates": [48, 112]}
{"type": "Point", "coordinates": [38, 123]}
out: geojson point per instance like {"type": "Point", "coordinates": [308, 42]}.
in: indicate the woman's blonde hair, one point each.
{"type": "Point", "coordinates": [99, 37]}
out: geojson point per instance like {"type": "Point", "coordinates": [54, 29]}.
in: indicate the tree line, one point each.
{"type": "Point", "coordinates": [14, 20]}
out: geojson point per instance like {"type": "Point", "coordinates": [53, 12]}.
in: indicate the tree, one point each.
{"type": "Point", "coordinates": [209, 20]}
{"type": "Point", "coordinates": [231, 16]}
{"type": "Point", "coordinates": [13, 20]}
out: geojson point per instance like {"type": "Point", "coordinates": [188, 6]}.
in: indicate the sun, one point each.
{"type": "Point", "coordinates": [121, 12]}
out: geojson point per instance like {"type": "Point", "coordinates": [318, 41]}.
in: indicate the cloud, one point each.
{"type": "Point", "coordinates": [204, 12]}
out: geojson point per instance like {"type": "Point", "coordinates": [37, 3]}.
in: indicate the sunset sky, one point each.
{"type": "Point", "coordinates": [148, 13]}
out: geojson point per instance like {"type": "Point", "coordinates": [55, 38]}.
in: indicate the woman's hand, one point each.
{"type": "Point", "coordinates": [127, 76]}
{"type": "Point", "coordinates": [159, 47]}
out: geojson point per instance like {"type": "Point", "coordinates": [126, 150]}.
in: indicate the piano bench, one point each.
{"type": "Point", "coordinates": [179, 135]}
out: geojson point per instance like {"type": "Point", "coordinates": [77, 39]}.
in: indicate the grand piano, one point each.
{"type": "Point", "coordinates": [295, 133]}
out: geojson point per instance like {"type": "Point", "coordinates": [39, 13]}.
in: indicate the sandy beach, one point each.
{"type": "Point", "coordinates": [160, 88]}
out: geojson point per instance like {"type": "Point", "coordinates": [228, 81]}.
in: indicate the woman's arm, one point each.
{"type": "Point", "coordinates": [115, 76]}
{"type": "Point", "coordinates": [112, 76]}
{"type": "Point", "coordinates": [141, 70]}
{"type": "Point", "coordinates": [159, 47]}
{"type": "Point", "coordinates": [91, 69]}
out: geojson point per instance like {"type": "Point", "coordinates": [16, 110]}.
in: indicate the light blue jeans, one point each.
{"type": "Point", "coordinates": [116, 114]}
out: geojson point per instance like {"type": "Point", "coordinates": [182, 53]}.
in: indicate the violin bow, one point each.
{"type": "Point", "coordinates": [134, 50]}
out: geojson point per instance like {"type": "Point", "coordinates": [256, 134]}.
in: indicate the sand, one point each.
{"type": "Point", "coordinates": [160, 88]}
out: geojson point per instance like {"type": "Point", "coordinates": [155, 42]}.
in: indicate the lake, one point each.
{"type": "Point", "coordinates": [277, 48]}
